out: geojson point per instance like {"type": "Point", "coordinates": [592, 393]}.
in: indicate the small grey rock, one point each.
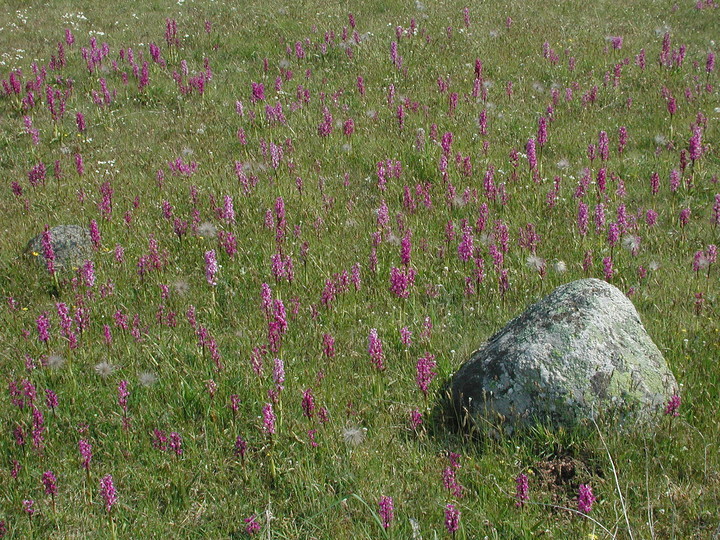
{"type": "Point", "coordinates": [71, 244]}
{"type": "Point", "coordinates": [579, 351]}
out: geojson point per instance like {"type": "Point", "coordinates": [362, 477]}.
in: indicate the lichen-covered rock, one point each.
{"type": "Point", "coordinates": [579, 351]}
{"type": "Point", "coordinates": [71, 244]}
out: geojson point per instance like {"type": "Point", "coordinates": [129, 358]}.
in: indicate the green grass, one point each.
{"type": "Point", "coordinates": [668, 479]}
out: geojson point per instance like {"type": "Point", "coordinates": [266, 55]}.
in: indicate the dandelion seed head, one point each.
{"type": "Point", "coordinates": [354, 436]}
{"type": "Point", "coordinates": [55, 361]}
{"type": "Point", "coordinates": [147, 378]}
{"type": "Point", "coordinates": [181, 287]}
{"type": "Point", "coordinates": [393, 240]}
{"type": "Point", "coordinates": [535, 263]}
{"type": "Point", "coordinates": [485, 238]}
{"type": "Point", "coordinates": [207, 230]}
{"type": "Point", "coordinates": [631, 242]}
{"type": "Point", "coordinates": [104, 369]}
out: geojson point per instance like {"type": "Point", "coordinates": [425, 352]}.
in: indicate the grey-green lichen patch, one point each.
{"type": "Point", "coordinates": [71, 245]}
{"type": "Point", "coordinates": [580, 351]}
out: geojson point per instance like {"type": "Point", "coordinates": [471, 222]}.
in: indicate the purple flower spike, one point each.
{"type": "Point", "coordinates": [268, 419]}
{"type": "Point", "coordinates": [585, 498]}
{"type": "Point", "coordinates": [375, 350]}
{"type": "Point", "coordinates": [50, 483]}
{"type": "Point", "coordinates": [386, 511]}
{"type": "Point", "coordinates": [211, 267]}
{"type": "Point", "coordinates": [672, 408]}
{"type": "Point", "coordinates": [521, 490]}
{"type": "Point", "coordinates": [107, 492]}
{"type": "Point", "coordinates": [452, 519]}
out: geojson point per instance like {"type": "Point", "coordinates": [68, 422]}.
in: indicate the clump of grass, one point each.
{"type": "Point", "coordinates": [266, 187]}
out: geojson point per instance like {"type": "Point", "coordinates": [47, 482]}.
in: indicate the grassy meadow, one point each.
{"type": "Point", "coordinates": [305, 217]}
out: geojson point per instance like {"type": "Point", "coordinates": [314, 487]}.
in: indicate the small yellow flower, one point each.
{"type": "Point", "coordinates": [35, 254]}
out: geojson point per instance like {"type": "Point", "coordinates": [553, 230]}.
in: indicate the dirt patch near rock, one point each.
{"type": "Point", "coordinates": [561, 476]}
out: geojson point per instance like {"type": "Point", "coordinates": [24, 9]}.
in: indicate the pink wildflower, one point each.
{"type": "Point", "coordinates": [386, 511]}
{"type": "Point", "coordinates": [375, 350]}
{"type": "Point", "coordinates": [585, 498]}
{"type": "Point", "coordinates": [211, 267]}
{"type": "Point", "coordinates": [107, 492]}
{"type": "Point", "coordinates": [268, 419]}
{"type": "Point", "coordinates": [521, 490]}
{"type": "Point", "coordinates": [425, 373]}
{"type": "Point", "coordinates": [452, 519]}
{"type": "Point", "coordinates": [672, 408]}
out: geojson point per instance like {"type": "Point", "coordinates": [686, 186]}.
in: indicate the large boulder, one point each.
{"type": "Point", "coordinates": [71, 244]}
{"type": "Point", "coordinates": [579, 351]}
